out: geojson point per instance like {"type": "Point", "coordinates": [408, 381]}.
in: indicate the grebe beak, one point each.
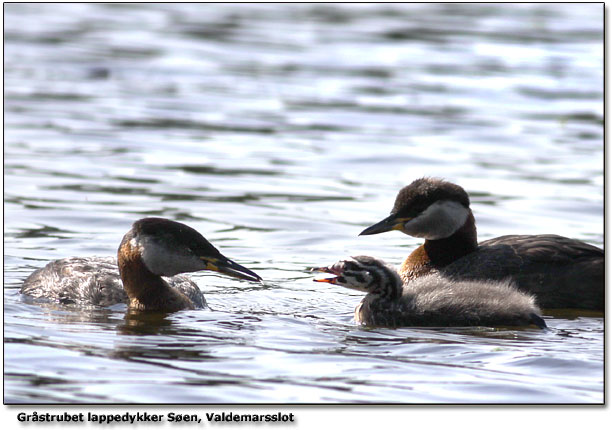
{"type": "Point", "coordinates": [329, 270]}
{"type": "Point", "coordinates": [224, 265]}
{"type": "Point", "coordinates": [326, 280]}
{"type": "Point", "coordinates": [320, 269]}
{"type": "Point", "coordinates": [392, 222]}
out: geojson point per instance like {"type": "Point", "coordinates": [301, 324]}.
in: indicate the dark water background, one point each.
{"type": "Point", "coordinates": [280, 132]}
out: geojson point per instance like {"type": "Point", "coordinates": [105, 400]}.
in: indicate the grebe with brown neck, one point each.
{"type": "Point", "coordinates": [560, 272]}
{"type": "Point", "coordinates": [151, 253]}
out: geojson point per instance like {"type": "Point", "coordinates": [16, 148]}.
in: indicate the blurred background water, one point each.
{"type": "Point", "coordinates": [280, 132]}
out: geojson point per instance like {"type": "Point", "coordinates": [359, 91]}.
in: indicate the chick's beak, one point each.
{"type": "Point", "coordinates": [224, 265]}
{"type": "Point", "coordinates": [326, 280]}
{"type": "Point", "coordinates": [321, 269]}
{"type": "Point", "coordinates": [329, 270]}
{"type": "Point", "coordinates": [392, 222]}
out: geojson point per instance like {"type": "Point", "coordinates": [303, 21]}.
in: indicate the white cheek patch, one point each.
{"type": "Point", "coordinates": [165, 261]}
{"type": "Point", "coordinates": [357, 280]}
{"type": "Point", "coordinates": [438, 221]}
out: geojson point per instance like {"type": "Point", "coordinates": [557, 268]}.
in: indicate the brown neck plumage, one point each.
{"type": "Point", "coordinates": [146, 290]}
{"type": "Point", "coordinates": [435, 254]}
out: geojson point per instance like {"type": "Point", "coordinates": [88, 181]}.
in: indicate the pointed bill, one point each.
{"type": "Point", "coordinates": [224, 265]}
{"type": "Point", "coordinates": [392, 222]}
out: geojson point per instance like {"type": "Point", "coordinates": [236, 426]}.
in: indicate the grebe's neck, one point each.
{"type": "Point", "coordinates": [435, 254]}
{"type": "Point", "coordinates": [146, 290]}
{"type": "Point", "coordinates": [388, 284]}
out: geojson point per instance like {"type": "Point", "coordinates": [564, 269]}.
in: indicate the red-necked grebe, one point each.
{"type": "Point", "coordinates": [430, 300]}
{"type": "Point", "coordinates": [560, 272]}
{"type": "Point", "coordinates": [153, 248]}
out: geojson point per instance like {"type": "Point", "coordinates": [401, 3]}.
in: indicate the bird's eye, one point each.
{"type": "Point", "coordinates": [358, 277]}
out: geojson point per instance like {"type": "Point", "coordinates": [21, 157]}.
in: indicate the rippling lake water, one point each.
{"type": "Point", "coordinates": [280, 132]}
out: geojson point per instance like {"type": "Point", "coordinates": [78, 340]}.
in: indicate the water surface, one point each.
{"type": "Point", "coordinates": [280, 132]}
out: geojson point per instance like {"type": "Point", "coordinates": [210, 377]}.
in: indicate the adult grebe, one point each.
{"type": "Point", "coordinates": [430, 300]}
{"type": "Point", "coordinates": [152, 248]}
{"type": "Point", "coordinates": [560, 272]}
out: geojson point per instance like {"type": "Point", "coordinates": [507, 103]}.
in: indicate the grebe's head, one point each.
{"type": "Point", "coordinates": [363, 273]}
{"type": "Point", "coordinates": [169, 247]}
{"type": "Point", "coordinates": [429, 208]}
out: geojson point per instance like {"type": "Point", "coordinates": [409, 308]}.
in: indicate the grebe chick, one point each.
{"type": "Point", "coordinates": [430, 300]}
{"type": "Point", "coordinates": [151, 253]}
{"type": "Point", "coordinates": [560, 272]}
